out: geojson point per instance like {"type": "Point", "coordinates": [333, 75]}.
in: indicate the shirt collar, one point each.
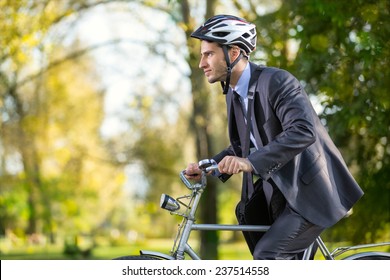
{"type": "Point", "coordinates": [243, 82]}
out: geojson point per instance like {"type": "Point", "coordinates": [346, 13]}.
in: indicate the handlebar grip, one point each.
{"type": "Point", "coordinates": [212, 168]}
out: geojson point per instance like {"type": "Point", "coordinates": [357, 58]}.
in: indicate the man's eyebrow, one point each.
{"type": "Point", "coordinates": [206, 52]}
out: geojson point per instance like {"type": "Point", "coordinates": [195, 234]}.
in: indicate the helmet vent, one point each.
{"type": "Point", "coordinates": [220, 34]}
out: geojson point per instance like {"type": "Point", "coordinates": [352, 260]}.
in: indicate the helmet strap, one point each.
{"type": "Point", "coordinates": [229, 67]}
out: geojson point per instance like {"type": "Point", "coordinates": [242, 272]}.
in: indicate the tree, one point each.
{"type": "Point", "coordinates": [50, 143]}
{"type": "Point", "coordinates": [200, 125]}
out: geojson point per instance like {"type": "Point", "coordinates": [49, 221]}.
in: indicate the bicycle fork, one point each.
{"type": "Point", "coordinates": [183, 246]}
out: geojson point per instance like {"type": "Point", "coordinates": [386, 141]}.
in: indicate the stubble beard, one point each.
{"type": "Point", "coordinates": [220, 75]}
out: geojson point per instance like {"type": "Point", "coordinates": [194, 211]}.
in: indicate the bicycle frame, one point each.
{"type": "Point", "coordinates": [181, 245]}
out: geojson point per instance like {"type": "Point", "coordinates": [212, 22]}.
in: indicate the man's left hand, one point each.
{"type": "Point", "coordinates": [234, 165]}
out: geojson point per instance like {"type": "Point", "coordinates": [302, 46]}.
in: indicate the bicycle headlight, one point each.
{"type": "Point", "coordinates": [169, 203]}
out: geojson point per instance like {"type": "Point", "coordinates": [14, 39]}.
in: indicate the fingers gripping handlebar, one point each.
{"type": "Point", "coordinates": [206, 165]}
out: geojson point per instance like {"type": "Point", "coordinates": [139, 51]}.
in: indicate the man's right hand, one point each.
{"type": "Point", "coordinates": [192, 172]}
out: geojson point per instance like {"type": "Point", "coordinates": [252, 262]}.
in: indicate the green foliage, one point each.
{"type": "Point", "coordinates": [343, 58]}
{"type": "Point", "coordinates": [50, 142]}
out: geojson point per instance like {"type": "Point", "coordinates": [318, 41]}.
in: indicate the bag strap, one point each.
{"type": "Point", "coordinates": [251, 92]}
{"type": "Point", "coordinates": [247, 176]}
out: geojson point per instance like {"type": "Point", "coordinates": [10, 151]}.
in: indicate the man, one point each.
{"type": "Point", "coordinates": [289, 149]}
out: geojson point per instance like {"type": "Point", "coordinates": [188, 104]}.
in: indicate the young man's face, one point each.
{"type": "Point", "coordinates": [212, 61]}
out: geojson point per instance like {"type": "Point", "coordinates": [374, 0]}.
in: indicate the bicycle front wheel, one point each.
{"type": "Point", "coordinates": [139, 257]}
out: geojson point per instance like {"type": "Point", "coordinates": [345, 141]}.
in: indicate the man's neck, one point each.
{"type": "Point", "coordinates": [237, 72]}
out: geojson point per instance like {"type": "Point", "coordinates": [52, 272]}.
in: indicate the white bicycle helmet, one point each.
{"type": "Point", "coordinates": [228, 30]}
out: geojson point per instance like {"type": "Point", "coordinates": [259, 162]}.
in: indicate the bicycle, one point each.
{"type": "Point", "coordinates": [181, 247]}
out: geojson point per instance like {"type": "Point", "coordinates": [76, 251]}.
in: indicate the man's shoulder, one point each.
{"type": "Point", "coordinates": [273, 79]}
{"type": "Point", "coordinates": [269, 69]}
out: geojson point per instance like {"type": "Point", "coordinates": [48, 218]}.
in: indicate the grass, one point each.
{"type": "Point", "coordinates": [227, 251]}
{"type": "Point", "coordinates": [55, 252]}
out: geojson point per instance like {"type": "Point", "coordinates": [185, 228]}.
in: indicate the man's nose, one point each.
{"type": "Point", "coordinates": [202, 63]}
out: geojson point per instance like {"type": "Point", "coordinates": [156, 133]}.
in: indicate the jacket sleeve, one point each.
{"type": "Point", "coordinates": [290, 129]}
{"type": "Point", "coordinates": [227, 152]}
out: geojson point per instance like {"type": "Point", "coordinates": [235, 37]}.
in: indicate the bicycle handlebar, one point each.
{"type": "Point", "coordinates": [206, 165]}
{"type": "Point", "coordinates": [185, 180]}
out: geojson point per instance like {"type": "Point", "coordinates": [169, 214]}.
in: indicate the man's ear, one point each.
{"type": "Point", "coordinates": [234, 53]}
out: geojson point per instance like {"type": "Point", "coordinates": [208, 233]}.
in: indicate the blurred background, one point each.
{"type": "Point", "coordinates": [102, 105]}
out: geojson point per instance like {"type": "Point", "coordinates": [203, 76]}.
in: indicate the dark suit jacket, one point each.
{"type": "Point", "coordinates": [296, 152]}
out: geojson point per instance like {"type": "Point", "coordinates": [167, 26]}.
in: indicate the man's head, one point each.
{"type": "Point", "coordinates": [234, 35]}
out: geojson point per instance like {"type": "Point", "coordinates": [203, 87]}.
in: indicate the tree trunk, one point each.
{"type": "Point", "coordinates": [31, 166]}
{"type": "Point", "coordinates": [199, 124]}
